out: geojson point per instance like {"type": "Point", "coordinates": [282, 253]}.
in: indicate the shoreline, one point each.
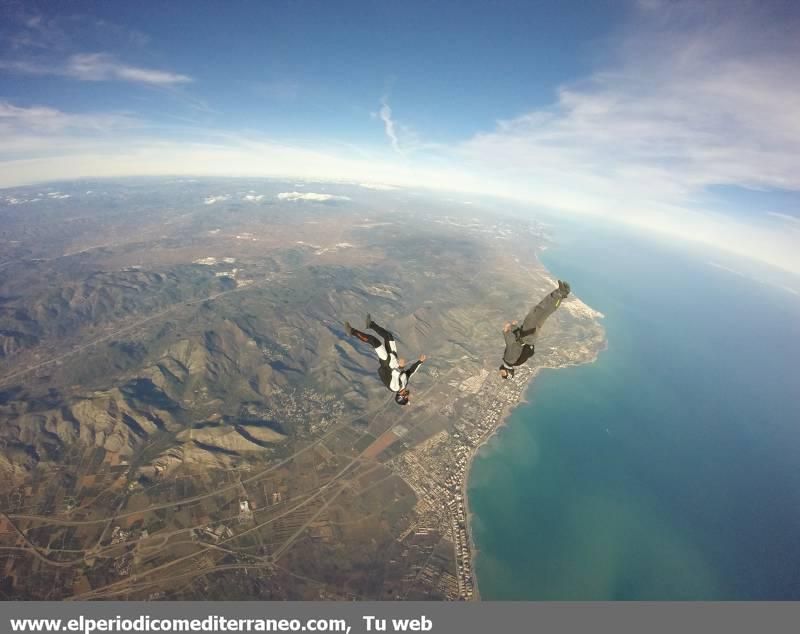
{"type": "Point", "coordinates": [506, 413]}
{"type": "Point", "coordinates": [504, 416]}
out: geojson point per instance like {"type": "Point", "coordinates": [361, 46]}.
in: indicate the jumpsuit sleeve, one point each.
{"type": "Point", "coordinates": [513, 347]}
{"type": "Point", "coordinates": [412, 369]}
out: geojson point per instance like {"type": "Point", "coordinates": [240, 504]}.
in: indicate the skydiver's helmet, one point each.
{"type": "Point", "coordinates": [401, 398]}
{"type": "Point", "coordinates": [506, 373]}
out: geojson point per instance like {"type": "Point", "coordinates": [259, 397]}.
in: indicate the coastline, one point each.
{"type": "Point", "coordinates": [506, 413]}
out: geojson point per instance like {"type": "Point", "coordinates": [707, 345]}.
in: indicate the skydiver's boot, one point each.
{"type": "Point", "coordinates": [563, 288]}
{"type": "Point", "coordinates": [363, 336]}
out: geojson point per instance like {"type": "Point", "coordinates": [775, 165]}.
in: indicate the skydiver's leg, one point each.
{"type": "Point", "coordinates": [367, 338]}
{"type": "Point", "coordinates": [388, 337]}
{"type": "Point", "coordinates": [539, 314]}
{"type": "Point", "coordinates": [380, 348]}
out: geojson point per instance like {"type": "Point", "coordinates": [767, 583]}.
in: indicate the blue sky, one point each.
{"type": "Point", "coordinates": [679, 117]}
{"type": "Point", "coordinates": [305, 69]}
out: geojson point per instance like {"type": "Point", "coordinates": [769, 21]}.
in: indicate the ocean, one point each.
{"type": "Point", "coordinates": [669, 468]}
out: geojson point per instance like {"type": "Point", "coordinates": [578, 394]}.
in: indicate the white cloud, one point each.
{"type": "Point", "coordinates": [253, 198]}
{"type": "Point", "coordinates": [378, 186]}
{"type": "Point", "coordinates": [403, 139]}
{"type": "Point", "coordinates": [701, 95]}
{"type": "Point", "coordinates": [96, 67]}
{"type": "Point", "coordinates": [785, 217]}
{"type": "Point", "coordinates": [103, 67]}
{"type": "Point", "coordinates": [310, 196]}
{"type": "Point", "coordinates": [36, 131]}
{"type": "Point", "coordinates": [42, 119]}
{"type": "Point", "coordinates": [385, 114]}
{"type": "Point", "coordinates": [76, 154]}
{"type": "Point", "coordinates": [754, 278]}
{"type": "Point", "coordinates": [211, 200]}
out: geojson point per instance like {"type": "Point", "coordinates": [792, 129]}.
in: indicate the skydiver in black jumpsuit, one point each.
{"type": "Point", "coordinates": [392, 371]}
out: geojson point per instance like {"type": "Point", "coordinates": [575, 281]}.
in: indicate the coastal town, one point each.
{"type": "Point", "coordinates": [438, 468]}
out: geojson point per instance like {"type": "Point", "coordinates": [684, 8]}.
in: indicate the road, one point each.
{"type": "Point", "coordinates": [198, 498]}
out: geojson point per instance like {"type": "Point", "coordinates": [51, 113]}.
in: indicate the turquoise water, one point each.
{"type": "Point", "coordinates": [669, 468]}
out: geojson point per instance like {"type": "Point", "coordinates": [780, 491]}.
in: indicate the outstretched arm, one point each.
{"type": "Point", "coordinates": [508, 332]}
{"type": "Point", "coordinates": [413, 367]}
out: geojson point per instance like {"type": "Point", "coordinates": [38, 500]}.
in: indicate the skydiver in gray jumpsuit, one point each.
{"type": "Point", "coordinates": [520, 339]}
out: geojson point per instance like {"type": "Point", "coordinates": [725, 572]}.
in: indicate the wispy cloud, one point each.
{"type": "Point", "coordinates": [385, 113]}
{"type": "Point", "coordinates": [83, 145]}
{"type": "Point", "coordinates": [30, 133]}
{"type": "Point", "coordinates": [378, 186]}
{"type": "Point", "coordinates": [103, 67]}
{"type": "Point", "coordinates": [785, 218]}
{"type": "Point", "coordinates": [403, 139]}
{"type": "Point", "coordinates": [96, 67]}
{"type": "Point", "coordinates": [51, 119]}
{"type": "Point", "coordinates": [754, 278]}
{"type": "Point", "coordinates": [33, 43]}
